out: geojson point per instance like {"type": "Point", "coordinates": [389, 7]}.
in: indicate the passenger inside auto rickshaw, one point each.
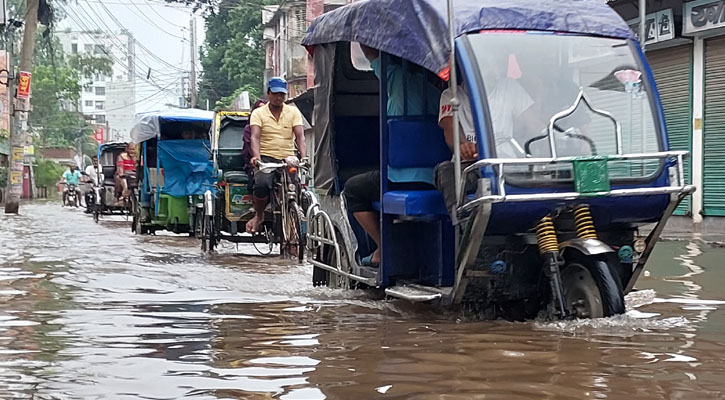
{"type": "Point", "coordinates": [363, 190]}
{"type": "Point", "coordinates": [125, 166]}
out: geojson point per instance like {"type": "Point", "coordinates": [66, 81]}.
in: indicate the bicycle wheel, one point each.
{"type": "Point", "coordinates": [294, 240]}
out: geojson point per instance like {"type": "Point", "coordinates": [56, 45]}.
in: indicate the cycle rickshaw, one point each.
{"type": "Point", "coordinates": [228, 205]}
{"type": "Point", "coordinates": [547, 217]}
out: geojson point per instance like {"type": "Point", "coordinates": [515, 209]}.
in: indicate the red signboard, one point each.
{"type": "Point", "coordinates": [100, 134]}
{"type": "Point", "coordinates": [24, 85]}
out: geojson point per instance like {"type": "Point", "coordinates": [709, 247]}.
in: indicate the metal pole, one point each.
{"type": "Point", "coordinates": [642, 22]}
{"type": "Point", "coordinates": [453, 84]}
{"type": "Point", "coordinates": [192, 74]}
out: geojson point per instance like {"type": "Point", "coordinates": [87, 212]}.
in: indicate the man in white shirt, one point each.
{"type": "Point", "coordinates": [465, 118]}
{"type": "Point", "coordinates": [92, 172]}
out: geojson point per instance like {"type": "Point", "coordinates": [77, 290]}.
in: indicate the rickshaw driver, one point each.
{"type": "Point", "coordinates": [364, 189]}
{"type": "Point", "coordinates": [275, 129]}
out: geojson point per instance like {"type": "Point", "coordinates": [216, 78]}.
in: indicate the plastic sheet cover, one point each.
{"type": "Point", "coordinates": [147, 125]}
{"type": "Point", "coordinates": [186, 165]}
{"type": "Point", "coordinates": [417, 30]}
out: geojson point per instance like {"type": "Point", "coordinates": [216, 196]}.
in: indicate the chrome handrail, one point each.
{"type": "Point", "coordinates": [501, 196]}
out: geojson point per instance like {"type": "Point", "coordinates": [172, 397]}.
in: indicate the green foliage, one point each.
{"type": "Point", "coordinates": [90, 65]}
{"type": "Point", "coordinates": [233, 56]}
{"type": "Point", "coordinates": [47, 172]}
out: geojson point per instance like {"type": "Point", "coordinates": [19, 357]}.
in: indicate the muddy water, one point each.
{"type": "Point", "coordinates": [90, 311]}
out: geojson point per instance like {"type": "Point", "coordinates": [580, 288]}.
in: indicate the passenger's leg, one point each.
{"type": "Point", "coordinates": [360, 193]}
{"type": "Point", "coordinates": [263, 183]}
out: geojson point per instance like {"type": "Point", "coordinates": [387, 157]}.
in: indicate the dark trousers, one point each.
{"type": "Point", "coordinates": [362, 190]}
{"type": "Point", "coordinates": [264, 181]}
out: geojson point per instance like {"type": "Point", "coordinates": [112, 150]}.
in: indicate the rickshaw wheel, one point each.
{"type": "Point", "coordinates": [293, 235]}
{"type": "Point", "coordinates": [208, 235]}
{"type": "Point", "coordinates": [592, 288]}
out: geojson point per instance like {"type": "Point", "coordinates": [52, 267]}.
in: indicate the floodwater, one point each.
{"type": "Point", "coordinates": [92, 311]}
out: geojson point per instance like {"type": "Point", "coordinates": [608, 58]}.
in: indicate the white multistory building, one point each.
{"type": "Point", "coordinates": [106, 101]}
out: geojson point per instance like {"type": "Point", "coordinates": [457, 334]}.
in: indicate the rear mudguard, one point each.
{"type": "Point", "coordinates": [588, 247]}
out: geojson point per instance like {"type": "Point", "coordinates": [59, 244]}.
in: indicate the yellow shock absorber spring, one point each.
{"type": "Point", "coordinates": [584, 223]}
{"type": "Point", "coordinates": [546, 236]}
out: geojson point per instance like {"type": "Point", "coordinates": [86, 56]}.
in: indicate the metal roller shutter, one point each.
{"type": "Point", "coordinates": [714, 129]}
{"type": "Point", "coordinates": [672, 70]}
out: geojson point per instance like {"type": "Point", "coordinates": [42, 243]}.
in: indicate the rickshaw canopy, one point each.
{"type": "Point", "coordinates": [417, 30]}
{"type": "Point", "coordinates": [148, 125]}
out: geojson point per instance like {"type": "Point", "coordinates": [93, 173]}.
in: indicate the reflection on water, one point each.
{"type": "Point", "coordinates": [91, 311]}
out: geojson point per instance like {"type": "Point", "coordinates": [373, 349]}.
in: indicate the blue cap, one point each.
{"type": "Point", "coordinates": [277, 85]}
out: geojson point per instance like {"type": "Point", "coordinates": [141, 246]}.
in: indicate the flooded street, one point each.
{"type": "Point", "coordinates": [92, 311]}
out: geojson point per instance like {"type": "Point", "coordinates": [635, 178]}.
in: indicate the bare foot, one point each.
{"type": "Point", "coordinates": [254, 224]}
{"type": "Point", "coordinates": [375, 259]}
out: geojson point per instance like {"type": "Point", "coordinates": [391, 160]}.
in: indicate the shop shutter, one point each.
{"type": "Point", "coordinates": [672, 68]}
{"type": "Point", "coordinates": [714, 129]}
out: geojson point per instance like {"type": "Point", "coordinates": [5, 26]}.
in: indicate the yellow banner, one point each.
{"type": "Point", "coordinates": [18, 153]}
{"type": "Point", "coordinates": [16, 177]}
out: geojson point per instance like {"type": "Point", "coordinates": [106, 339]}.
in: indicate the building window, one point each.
{"type": "Point", "coordinates": [74, 48]}
{"type": "Point", "coordinates": [100, 119]}
{"type": "Point", "coordinates": [100, 105]}
{"type": "Point", "coordinates": [88, 47]}
{"type": "Point", "coordinates": [88, 89]}
{"type": "Point", "coordinates": [100, 91]}
{"type": "Point", "coordinates": [89, 103]}
{"type": "Point", "coordinates": [100, 77]}
{"type": "Point", "coordinates": [100, 49]}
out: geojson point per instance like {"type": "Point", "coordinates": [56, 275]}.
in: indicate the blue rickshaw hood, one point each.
{"type": "Point", "coordinates": [417, 30]}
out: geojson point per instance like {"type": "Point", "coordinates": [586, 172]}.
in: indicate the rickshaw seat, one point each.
{"type": "Point", "coordinates": [109, 173]}
{"type": "Point", "coordinates": [417, 143]}
{"type": "Point", "coordinates": [414, 203]}
{"type": "Point", "coordinates": [236, 177]}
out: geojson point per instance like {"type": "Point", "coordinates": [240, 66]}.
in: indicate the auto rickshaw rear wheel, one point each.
{"type": "Point", "coordinates": [592, 288]}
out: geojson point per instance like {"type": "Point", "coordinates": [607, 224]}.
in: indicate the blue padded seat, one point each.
{"type": "Point", "coordinates": [415, 144]}
{"type": "Point", "coordinates": [414, 203]}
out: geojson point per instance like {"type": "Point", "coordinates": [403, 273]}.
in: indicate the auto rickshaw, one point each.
{"type": "Point", "coordinates": [572, 154]}
{"type": "Point", "coordinates": [174, 169]}
{"type": "Point", "coordinates": [107, 156]}
{"type": "Point", "coordinates": [228, 206]}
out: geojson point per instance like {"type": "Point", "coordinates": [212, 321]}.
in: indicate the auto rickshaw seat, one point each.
{"type": "Point", "coordinates": [109, 173]}
{"type": "Point", "coordinates": [415, 143]}
{"type": "Point", "coordinates": [236, 177]}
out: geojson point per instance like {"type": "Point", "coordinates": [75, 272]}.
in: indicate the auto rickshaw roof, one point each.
{"type": "Point", "coordinates": [147, 124]}
{"type": "Point", "coordinates": [417, 30]}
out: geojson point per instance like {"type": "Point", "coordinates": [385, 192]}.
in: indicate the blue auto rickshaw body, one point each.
{"type": "Point", "coordinates": [421, 239]}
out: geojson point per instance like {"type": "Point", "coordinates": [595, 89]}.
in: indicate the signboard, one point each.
{"type": "Point", "coordinates": [99, 135]}
{"type": "Point", "coordinates": [24, 85]}
{"type": "Point", "coordinates": [659, 26]}
{"type": "Point", "coordinates": [702, 15]}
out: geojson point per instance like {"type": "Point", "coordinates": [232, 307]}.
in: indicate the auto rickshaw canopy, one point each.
{"type": "Point", "coordinates": [417, 30]}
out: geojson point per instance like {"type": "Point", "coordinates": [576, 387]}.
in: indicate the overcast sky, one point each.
{"type": "Point", "coordinates": [161, 28]}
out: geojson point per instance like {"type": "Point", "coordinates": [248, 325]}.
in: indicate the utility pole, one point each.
{"type": "Point", "coordinates": [192, 75]}
{"type": "Point", "coordinates": [17, 138]}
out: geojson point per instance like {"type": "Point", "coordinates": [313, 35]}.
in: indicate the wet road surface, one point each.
{"type": "Point", "coordinates": [91, 311]}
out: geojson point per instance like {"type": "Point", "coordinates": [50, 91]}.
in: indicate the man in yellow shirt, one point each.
{"type": "Point", "coordinates": [275, 129]}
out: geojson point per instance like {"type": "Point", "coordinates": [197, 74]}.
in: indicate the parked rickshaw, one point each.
{"type": "Point", "coordinates": [547, 217]}
{"type": "Point", "coordinates": [228, 206]}
{"type": "Point", "coordinates": [174, 169]}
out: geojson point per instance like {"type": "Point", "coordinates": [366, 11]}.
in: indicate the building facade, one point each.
{"type": "Point", "coordinates": [106, 101]}
{"type": "Point", "coordinates": [685, 46]}
{"type": "Point", "coordinates": [284, 27]}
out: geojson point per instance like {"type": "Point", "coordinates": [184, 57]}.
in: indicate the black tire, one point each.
{"type": "Point", "coordinates": [294, 238]}
{"type": "Point", "coordinates": [208, 234]}
{"type": "Point", "coordinates": [592, 286]}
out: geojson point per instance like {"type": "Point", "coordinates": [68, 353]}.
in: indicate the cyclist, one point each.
{"type": "Point", "coordinates": [275, 129]}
